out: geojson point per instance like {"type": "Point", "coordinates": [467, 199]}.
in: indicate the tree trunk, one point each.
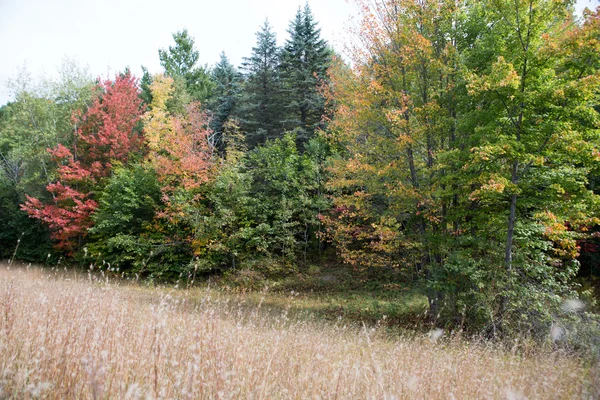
{"type": "Point", "coordinates": [512, 217]}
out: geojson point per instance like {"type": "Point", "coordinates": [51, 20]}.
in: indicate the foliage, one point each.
{"type": "Point", "coordinates": [464, 154]}
{"type": "Point", "coordinates": [181, 155]}
{"type": "Point", "coordinates": [456, 156]}
{"type": "Point", "coordinates": [305, 59]}
{"type": "Point", "coordinates": [261, 103]}
{"type": "Point", "coordinates": [180, 62]}
{"type": "Point", "coordinates": [225, 99]}
{"type": "Point", "coordinates": [21, 237]}
{"type": "Point", "coordinates": [39, 117]}
{"type": "Point", "coordinates": [538, 130]}
{"type": "Point", "coordinates": [264, 207]}
{"type": "Point", "coordinates": [145, 83]}
{"type": "Point", "coordinates": [126, 209]}
{"type": "Point", "coordinates": [180, 151]}
{"type": "Point", "coordinates": [105, 133]}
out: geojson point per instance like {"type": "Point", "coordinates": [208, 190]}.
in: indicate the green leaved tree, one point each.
{"type": "Point", "coordinates": [127, 207]}
{"type": "Point", "coordinates": [38, 117]}
{"type": "Point", "coordinates": [181, 63]}
{"type": "Point", "coordinates": [265, 206]}
{"type": "Point", "coordinates": [538, 133]}
{"type": "Point", "coordinates": [465, 154]}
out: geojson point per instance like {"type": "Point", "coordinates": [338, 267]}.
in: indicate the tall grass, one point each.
{"type": "Point", "coordinates": [76, 337]}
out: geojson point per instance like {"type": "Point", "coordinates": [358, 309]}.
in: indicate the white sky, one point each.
{"type": "Point", "coordinates": [109, 35]}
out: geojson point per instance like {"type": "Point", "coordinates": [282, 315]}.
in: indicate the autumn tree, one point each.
{"type": "Point", "coordinates": [457, 161]}
{"type": "Point", "coordinates": [106, 133]}
{"type": "Point", "coordinates": [394, 112]}
{"type": "Point", "coordinates": [581, 50]}
{"type": "Point", "coordinates": [181, 155]}
{"type": "Point", "coordinates": [179, 148]}
{"type": "Point", "coordinates": [37, 117]}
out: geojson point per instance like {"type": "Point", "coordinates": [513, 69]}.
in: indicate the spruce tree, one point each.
{"type": "Point", "coordinates": [261, 98]}
{"type": "Point", "coordinates": [225, 97]}
{"type": "Point", "coordinates": [305, 60]}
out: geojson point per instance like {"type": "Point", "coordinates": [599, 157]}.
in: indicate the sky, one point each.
{"type": "Point", "coordinates": [108, 35]}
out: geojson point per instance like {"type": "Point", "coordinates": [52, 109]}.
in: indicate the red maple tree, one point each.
{"type": "Point", "coordinates": [104, 134]}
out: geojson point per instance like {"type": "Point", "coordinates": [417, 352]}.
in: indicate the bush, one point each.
{"type": "Point", "coordinates": [263, 207]}
{"type": "Point", "coordinates": [127, 207]}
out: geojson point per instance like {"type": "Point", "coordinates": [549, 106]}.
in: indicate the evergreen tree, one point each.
{"type": "Point", "coordinates": [261, 111]}
{"type": "Point", "coordinates": [145, 82]}
{"type": "Point", "coordinates": [180, 62]}
{"type": "Point", "coordinates": [305, 60]}
{"type": "Point", "coordinates": [225, 98]}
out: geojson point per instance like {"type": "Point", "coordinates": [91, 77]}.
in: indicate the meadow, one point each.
{"type": "Point", "coordinates": [76, 335]}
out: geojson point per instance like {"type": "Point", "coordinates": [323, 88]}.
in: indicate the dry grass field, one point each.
{"type": "Point", "coordinates": [75, 337]}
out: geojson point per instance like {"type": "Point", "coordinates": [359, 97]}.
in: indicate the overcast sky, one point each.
{"type": "Point", "coordinates": [109, 35]}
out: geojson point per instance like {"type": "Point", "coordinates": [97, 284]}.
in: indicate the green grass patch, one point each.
{"type": "Point", "coordinates": [331, 292]}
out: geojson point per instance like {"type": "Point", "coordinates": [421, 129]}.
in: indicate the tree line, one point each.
{"type": "Point", "coordinates": [458, 146]}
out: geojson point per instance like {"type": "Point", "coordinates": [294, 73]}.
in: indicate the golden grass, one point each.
{"type": "Point", "coordinates": [69, 337]}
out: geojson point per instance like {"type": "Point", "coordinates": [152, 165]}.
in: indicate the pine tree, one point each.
{"type": "Point", "coordinates": [225, 98]}
{"type": "Point", "coordinates": [261, 110]}
{"type": "Point", "coordinates": [305, 60]}
{"type": "Point", "coordinates": [180, 62]}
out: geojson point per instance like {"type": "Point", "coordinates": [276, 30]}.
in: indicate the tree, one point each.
{"type": "Point", "coordinates": [180, 151]}
{"type": "Point", "coordinates": [180, 62]}
{"type": "Point", "coordinates": [37, 118]}
{"type": "Point", "coordinates": [447, 131]}
{"type": "Point", "coordinates": [264, 207]}
{"type": "Point", "coordinates": [225, 99]}
{"type": "Point", "coordinates": [123, 219]}
{"type": "Point", "coordinates": [261, 103]}
{"type": "Point", "coordinates": [541, 105]}
{"type": "Point", "coordinates": [581, 50]}
{"type": "Point", "coordinates": [145, 83]}
{"type": "Point", "coordinates": [21, 236]}
{"type": "Point", "coordinates": [105, 134]}
{"type": "Point", "coordinates": [305, 59]}
{"type": "Point", "coordinates": [394, 112]}
{"type": "Point", "coordinates": [182, 157]}
{"type": "Point", "coordinates": [40, 118]}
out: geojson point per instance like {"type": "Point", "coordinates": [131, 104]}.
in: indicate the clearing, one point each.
{"type": "Point", "coordinates": [67, 335]}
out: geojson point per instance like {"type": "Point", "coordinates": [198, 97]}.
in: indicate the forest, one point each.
{"type": "Point", "coordinates": [452, 150]}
